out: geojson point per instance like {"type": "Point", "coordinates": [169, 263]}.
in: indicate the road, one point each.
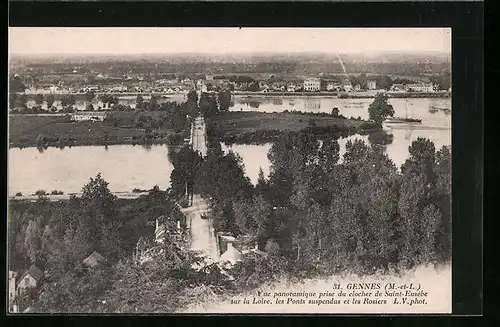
{"type": "Point", "coordinates": [198, 136]}
{"type": "Point", "coordinates": [201, 230]}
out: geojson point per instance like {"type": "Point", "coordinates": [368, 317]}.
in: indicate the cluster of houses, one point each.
{"type": "Point", "coordinates": [207, 83]}
{"type": "Point", "coordinates": [414, 87]}
{"type": "Point", "coordinates": [31, 283]}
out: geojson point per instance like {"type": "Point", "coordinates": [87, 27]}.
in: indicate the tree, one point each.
{"type": "Point", "coordinates": [153, 103]}
{"type": "Point", "coordinates": [186, 163]}
{"type": "Point", "coordinates": [22, 100]}
{"type": "Point", "coordinates": [98, 203]}
{"type": "Point", "coordinates": [12, 100]}
{"type": "Point", "coordinates": [412, 193]}
{"type": "Point", "coordinates": [421, 161]}
{"type": "Point", "coordinates": [261, 212]}
{"type": "Point", "coordinates": [32, 240]}
{"type": "Point", "coordinates": [380, 109]}
{"type": "Point", "coordinates": [139, 101]}
{"type": "Point", "coordinates": [443, 80]}
{"type": "Point", "coordinates": [385, 82]}
{"type": "Point", "coordinates": [224, 100]}
{"type": "Point", "coordinates": [329, 154]}
{"type": "Point", "coordinates": [16, 85]}
{"type": "Point", "coordinates": [192, 96]}
{"type": "Point", "coordinates": [335, 112]}
{"type": "Point", "coordinates": [50, 100]}
{"type": "Point", "coordinates": [89, 96]}
{"type": "Point", "coordinates": [39, 99]}
{"type": "Point", "coordinates": [243, 218]}
{"type": "Point", "coordinates": [89, 107]}
{"type": "Point", "coordinates": [262, 186]}
{"type": "Point", "coordinates": [68, 100]}
{"type": "Point", "coordinates": [431, 220]}
{"type": "Point", "coordinates": [208, 105]}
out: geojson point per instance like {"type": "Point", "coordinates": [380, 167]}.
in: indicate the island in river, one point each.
{"type": "Point", "coordinates": [153, 127]}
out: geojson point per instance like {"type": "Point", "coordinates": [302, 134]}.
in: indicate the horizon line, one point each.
{"type": "Point", "coordinates": [74, 54]}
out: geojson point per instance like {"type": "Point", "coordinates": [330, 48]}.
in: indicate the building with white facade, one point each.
{"type": "Point", "coordinates": [420, 87]}
{"type": "Point", "coordinates": [12, 287]}
{"type": "Point", "coordinates": [333, 86]}
{"type": "Point", "coordinates": [371, 85]}
{"type": "Point", "coordinates": [88, 116]}
{"type": "Point", "coordinates": [312, 84]}
{"type": "Point", "coordinates": [398, 88]}
{"type": "Point", "coordinates": [347, 86]}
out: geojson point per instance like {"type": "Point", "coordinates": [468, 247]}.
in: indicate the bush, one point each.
{"type": "Point", "coordinates": [56, 192]}
{"type": "Point", "coordinates": [40, 192]}
{"type": "Point", "coordinates": [367, 126]}
{"type": "Point", "coordinates": [19, 194]}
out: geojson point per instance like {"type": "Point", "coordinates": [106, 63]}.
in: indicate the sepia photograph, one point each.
{"type": "Point", "coordinates": [229, 170]}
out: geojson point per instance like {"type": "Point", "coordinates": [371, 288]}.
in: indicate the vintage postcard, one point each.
{"type": "Point", "coordinates": [229, 170]}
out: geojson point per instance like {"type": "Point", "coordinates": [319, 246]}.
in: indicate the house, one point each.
{"type": "Point", "coordinates": [31, 279]}
{"type": "Point", "coordinates": [312, 84]}
{"type": "Point", "coordinates": [332, 86]}
{"type": "Point", "coordinates": [231, 256]}
{"type": "Point", "coordinates": [290, 88]}
{"type": "Point", "coordinates": [94, 259]}
{"type": "Point", "coordinates": [166, 225]}
{"type": "Point", "coordinates": [347, 86]}
{"type": "Point", "coordinates": [12, 286]}
{"type": "Point", "coordinates": [88, 116]}
{"type": "Point", "coordinates": [398, 87]}
{"type": "Point", "coordinates": [371, 85]}
{"type": "Point", "coordinates": [420, 87]}
{"type": "Point", "coordinates": [357, 88]}
{"type": "Point", "coordinates": [209, 77]}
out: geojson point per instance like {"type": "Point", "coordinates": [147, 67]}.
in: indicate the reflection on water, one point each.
{"type": "Point", "coordinates": [125, 167]}
{"type": "Point", "coordinates": [254, 157]}
{"type": "Point", "coordinates": [414, 107]}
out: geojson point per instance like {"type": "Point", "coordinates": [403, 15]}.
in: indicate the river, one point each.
{"type": "Point", "coordinates": [126, 167]}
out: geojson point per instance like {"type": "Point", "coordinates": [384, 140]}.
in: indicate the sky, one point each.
{"type": "Point", "coordinates": [97, 40]}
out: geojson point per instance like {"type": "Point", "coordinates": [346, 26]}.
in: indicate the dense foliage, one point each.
{"type": "Point", "coordinates": [380, 109]}
{"type": "Point", "coordinates": [57, 236]}
{"type": "Point", "coordinates": [318, 211]}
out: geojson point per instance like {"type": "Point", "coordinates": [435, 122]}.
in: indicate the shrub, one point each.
{"type": "Point", "coordinates": [367, 125]}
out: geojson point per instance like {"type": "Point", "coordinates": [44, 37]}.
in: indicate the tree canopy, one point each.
{"type": "Point", "coordinates": [380, 109]}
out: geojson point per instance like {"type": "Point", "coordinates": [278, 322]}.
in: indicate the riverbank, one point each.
{"type": "Point", "coordinates": [344, 95]}
{"type": "Point", "coordinates": [141, 128]}
{"type": "Point", "coordinates": [260, 127]}
{"type": "Point", "coordinates": [65, 197]}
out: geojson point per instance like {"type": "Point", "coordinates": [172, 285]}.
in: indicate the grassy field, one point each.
{"type": "Point", "coordinates": [244, 122]}
{"type": "Point", "coordinates": [118, 128]}
{"type": "Point", "coordinates": [259, 127]}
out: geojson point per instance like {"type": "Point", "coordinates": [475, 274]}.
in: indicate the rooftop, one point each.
{"type": "Point", "coordinates": [94, 259]}
{"type": "Point", "coordinates": [34, 272]}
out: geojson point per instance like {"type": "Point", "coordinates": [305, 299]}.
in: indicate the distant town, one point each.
{"type": "Point", "coordinates": [132, 77]}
